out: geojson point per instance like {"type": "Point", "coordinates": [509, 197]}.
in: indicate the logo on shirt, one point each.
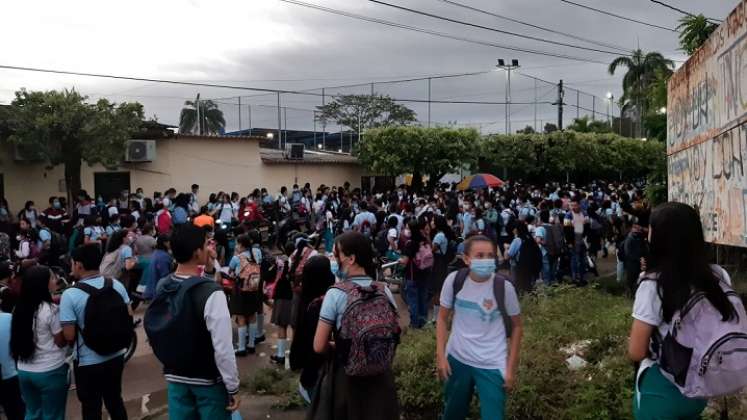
{"type": "Point", "coordinates": [488, 304]}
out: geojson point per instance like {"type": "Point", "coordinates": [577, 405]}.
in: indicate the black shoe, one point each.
{"type": "Point", "coordinates": [251, 350]}
{"type": "Point", "coordinates": [277, 360]}
{"type": "Point", "coordinates": [240, 353]}
{"type": "Point", "coordinates": [260, 339]}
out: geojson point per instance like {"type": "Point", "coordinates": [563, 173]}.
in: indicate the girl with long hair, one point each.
{"type": "Point", "coordinates": [677, 267]}
{"type": "Point", "coordinates": [441, 255]}
{"type": "Point", "coordinates": [38, 346]}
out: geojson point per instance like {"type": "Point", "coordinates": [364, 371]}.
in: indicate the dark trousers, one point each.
{"type": "Point", "coordinates": [10, 399]}
{"type": "Point", "coordinates": [102, 382]}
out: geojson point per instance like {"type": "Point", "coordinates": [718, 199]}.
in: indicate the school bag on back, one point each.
{"type": "Point", "coordinates": [369, 331]}
{"type": "Point", "coordinates": [424, 257]}
{"type": "Point", "coordinates": [108, 324]}
{"type": "Point", "coordinates": [366, 228]}
{"type": "Point", "coordinates": [701, 354]}
{"type": "Point", "coordinates": [249, 275]}
{"type": "Point", "coordinates": [530, 257]}
{"type": "Point", "coordinates": [554, 239]}
{"type": "Point", "coordinates": [499, 293]}
{"type": "Point", "coordinates": [112, 265]}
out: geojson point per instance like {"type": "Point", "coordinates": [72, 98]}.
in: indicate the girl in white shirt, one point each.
{"type": "Point", "coordinates": [39, 348]}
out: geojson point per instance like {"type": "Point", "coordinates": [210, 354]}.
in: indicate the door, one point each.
{"type": "Point", "coordinates": [110, 184]}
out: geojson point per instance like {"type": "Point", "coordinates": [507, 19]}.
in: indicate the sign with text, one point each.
{"type": "Point", "coordinates": [707, 132]}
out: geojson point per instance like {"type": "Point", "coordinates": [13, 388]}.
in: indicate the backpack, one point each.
{"type": "Point", "coordinates": [169, 319]}
{"type": "Point", "coordinates": [298, 273]}
{"type": "Point", "coordinates": [382, 241]}
{"type": "Point", "coordinates": [553, 239]}
{"type": "Point", "coordinates": [701, 354]}
{"type": "Point", "coordinates": [499, 292]}
{"type": "Point", "coordinates": [366, 228]}
{"type": "Point", "coordinates": [369, 332]}
{"type": "Point", "coordinates": [530, 257]}
{"type": "Point", "coordinates": [451, 250]}
{"type": "Point", "coordinates": [424, 258]}
{"type": "Point", "coordinates": [249, 275]}
{"type": "Point", "coordinates": [112, 265]}
{"type": "Point", "coordinates": [108, 324]}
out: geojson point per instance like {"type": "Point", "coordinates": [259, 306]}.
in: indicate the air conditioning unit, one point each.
{"type": "Point", "coordinates": [295, 151]}
{"type": "Point", "coordinates": [140, 151]}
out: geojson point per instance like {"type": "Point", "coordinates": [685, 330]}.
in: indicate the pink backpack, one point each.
{"type": "Point", "coordinates": [424, 257]}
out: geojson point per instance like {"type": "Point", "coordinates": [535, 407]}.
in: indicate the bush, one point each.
{"type": "Point", "coordinates": [546, 389]}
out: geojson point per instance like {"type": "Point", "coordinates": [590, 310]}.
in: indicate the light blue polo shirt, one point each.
{"type": "Point", "coordinates": [7, 364]}
{"type": "Point", "coordinates": [73, 311]}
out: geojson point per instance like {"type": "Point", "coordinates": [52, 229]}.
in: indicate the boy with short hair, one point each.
{"type": "Point", "coordinates": [478, 354]}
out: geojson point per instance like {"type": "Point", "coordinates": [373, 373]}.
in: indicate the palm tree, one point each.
{"type": "Point", "coordinates": [694, 31]}
{"type": "Point", "coordinates": [643, 71]}
{"type": "Point", "coordinates": [201, 117]}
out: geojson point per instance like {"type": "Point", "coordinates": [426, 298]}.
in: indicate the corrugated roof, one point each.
{"type": "Point", "coordinates": [276, 156]}
{"type": "Point", "coordinates": [216, 136]}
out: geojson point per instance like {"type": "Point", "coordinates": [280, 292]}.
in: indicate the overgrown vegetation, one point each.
{"type": "Point", "coordinates": [278, 382]}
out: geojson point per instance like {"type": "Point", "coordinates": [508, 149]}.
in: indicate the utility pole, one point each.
{"type": "Point", "coordinates": [324, 124]}
{"type": "Point", "coordinates": [560, 104]}
{"type": "Point", "coordinates": [250, 119]}
{"type": "Point", "coordinates": [508, 67]}
{"type": "Point", "coordinates": [593, 108]}
{"type": "Point", "coordinates": [285, 118]}
{"type": "Point", "coordinates": [535, 105]}
{"type": "Point", "coordinates": [280, 125]}
{"type": "Point", "coordinates": [372, 90]}
{"type": "Point", "coordinates": [314, 117]}
{"type": "Point", "coordinates": [578, 104]}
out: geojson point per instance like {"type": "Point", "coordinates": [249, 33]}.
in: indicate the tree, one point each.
{"type": "Point", "coordinates": [643, 69]}
{"type": "Point", "coordinates": [61, 128]}
{"type": "Point", "coordinates": [585, 125]}
{"type": "Point", "coordinates": [694, 31]}
{"type": "Point", "coordinates": [550, 127]}
{"type": "Point", "coordinates": [417, 150]}
{"type": "Point", "coordinates": [365, 111]}
{"type": "Point", "coordinates": [211, 119]}
{"type": "Point", "coordinates": [526, 130]}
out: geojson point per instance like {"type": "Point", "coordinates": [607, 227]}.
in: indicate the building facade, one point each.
{"type": "Point", "coordinates": [216, 163]}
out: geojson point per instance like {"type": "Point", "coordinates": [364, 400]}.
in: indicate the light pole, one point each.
{"type": "Point", "coordinates": [611, 112]}
{"type": "Point", "coordinates": [508, 67]}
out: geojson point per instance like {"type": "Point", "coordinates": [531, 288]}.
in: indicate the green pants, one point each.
{"type": "Point", "coordinates": [658, 399]}
{"type": "Point", "coordinates": [45, 393]}
{"type": "Point", "coordinates": [197, 402]}
{"type": "Point", "coordinates": [460, 386]}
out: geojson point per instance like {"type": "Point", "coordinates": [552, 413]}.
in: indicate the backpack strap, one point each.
{"type": "Point", "coordinates": [459, 279]}
{"type": "Point", "coordinates": [499, 292]}
{"type": "Point", "coordinates": [90, 290]}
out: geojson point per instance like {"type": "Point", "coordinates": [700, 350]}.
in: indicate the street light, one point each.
{"type": "Point", "coordinates": [508, 67]}
{"type": "Point", "coordinates": [663, 110]}
{"type": "Point", "coordinates": [610, 95]}
{"type": "Point", "coordinates": [270, 136]}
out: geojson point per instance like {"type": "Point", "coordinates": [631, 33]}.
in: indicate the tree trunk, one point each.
{"type": "Point", "coordinates": [417, 181]}
{"type": "Point", "coordinates": [72, 180]}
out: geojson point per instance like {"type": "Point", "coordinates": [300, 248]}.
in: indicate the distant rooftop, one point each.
{"type": "Point", "coordinates": [310, 156]}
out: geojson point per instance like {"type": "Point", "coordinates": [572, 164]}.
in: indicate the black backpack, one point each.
{"type": "Point", "coordinates": [382, 242]}
{"type": "Point", "coordinates": [499, 292]}
{"type": "Point", "coordinates": [553, 239]}
{"type": "Point", "coordinates": [530, 257]}
{"type": "Point", "coordinates": [170, 319]}
{"type": "Point", "coordinates": [108, 323]}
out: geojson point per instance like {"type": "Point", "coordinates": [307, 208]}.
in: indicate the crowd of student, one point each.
{"type": "Point", "coordinates": [205, 267]}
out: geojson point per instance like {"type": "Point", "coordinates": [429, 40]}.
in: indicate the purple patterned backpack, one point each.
{"type": "Point", "coordinates": [369, 331]}
{"type": "Point", "coordinates": [703, 355]}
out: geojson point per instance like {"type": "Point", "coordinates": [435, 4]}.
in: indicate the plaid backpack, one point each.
{"type": "Point", "coordinates": [369, 331]}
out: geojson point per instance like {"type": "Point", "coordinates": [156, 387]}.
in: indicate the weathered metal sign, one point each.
{"type": "Point", "coordinates": [707, 132]}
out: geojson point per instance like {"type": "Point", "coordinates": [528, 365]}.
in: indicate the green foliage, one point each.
{"type": "Point", "coordinates": [211, 119]}
{"type": "Point", "coordinates": [694, 31]}
{"type": "Point", "coordinates": [279, 382]}
{"type": "Point", "coordinates": [586, 125]}
{"type": "Point", "coordinates": [365, 111]}
{"type": "Point", "coordinates": [550, 128]}
{"type": "Point", "coordinates": [60, 127]}
{"type": "Point", "coordinates": [580, 155]}
{"type": "Point", "coordinates": [527, 130]}
{"type": "Point", "coordinates": [418, 150]}
{"type": "Point", "coordinates": [546, 389]}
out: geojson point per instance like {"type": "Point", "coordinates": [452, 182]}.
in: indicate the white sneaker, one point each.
{"type": "Point", "coordinates": [304, 393]}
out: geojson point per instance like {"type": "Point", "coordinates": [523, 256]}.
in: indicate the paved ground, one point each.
{"type": "Point", "coordinates": [144, 389]}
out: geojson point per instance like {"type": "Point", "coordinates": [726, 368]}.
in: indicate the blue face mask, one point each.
{"type": "Point", "coordinates": [335, 268]}
{"type": "Point", "coordinates": [56, 204]}
{"type": "Point", "coordinates": [482, 268]}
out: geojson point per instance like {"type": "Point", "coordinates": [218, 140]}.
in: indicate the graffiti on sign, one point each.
{"type": "Point", "coordinates": [707, 132]}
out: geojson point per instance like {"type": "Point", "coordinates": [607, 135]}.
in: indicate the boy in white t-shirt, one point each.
{"type": "Point", "coordinates": [477, 354]}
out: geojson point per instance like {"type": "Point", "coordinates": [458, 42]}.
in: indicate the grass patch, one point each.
{"type": "Point", "coordinates": [278, 382]}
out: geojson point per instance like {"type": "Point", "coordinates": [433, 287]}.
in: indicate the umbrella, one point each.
{"type": "Point", "coordinates": [477, 181]}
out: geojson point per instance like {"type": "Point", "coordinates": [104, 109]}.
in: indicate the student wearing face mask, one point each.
{"type": "Point", "coordinates": [482, 350]}
{"type": "Point", "coordinates": [29, 213]}
{"type": "Point", "coordinates": [55, 214]}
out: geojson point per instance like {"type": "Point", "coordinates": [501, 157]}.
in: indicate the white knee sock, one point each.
{"type": "Point", "coordinates": [281, 347]}
{"type": "Point", "coordinates": [260, 324]}
{"type": "Point", "coordinates": [242, 338]}
{"type": "Point", "coordinates": [252, 334]}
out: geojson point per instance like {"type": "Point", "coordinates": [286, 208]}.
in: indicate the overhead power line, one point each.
{"type": "Point", "coordinates": [604, 12]}
{"type": "Point", "coordinates": [684, 12]}
{"type": "Point", "coordinates": [439, 34]}
{"type": "Point", "coordinates": [487, 28]}
{"type": "Point", "coordinates": [531, 25]}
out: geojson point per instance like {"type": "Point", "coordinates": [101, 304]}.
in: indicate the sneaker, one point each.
{"type": "Point", "coordinates": [240, 353]}
{"type": "Point", "coordinates": [304, 393]}
{"type": "Point", "coordinates": [251, 350]}
{"type": "Point", "coordinates": [259, 339]}
{"type": "Point", "coordinates": [277, 360]}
